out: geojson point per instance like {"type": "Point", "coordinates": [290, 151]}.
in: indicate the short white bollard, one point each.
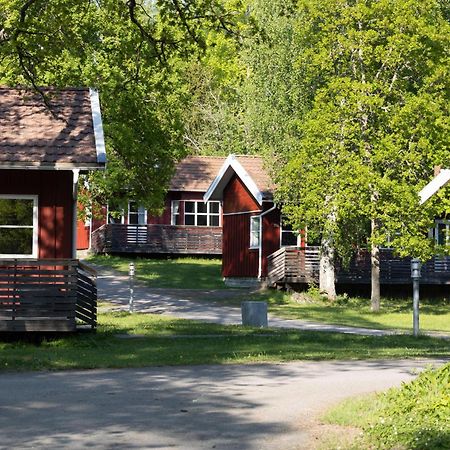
{"type": "Point", "coordinates": [254, 314]}
{"type": "Point", "coordinates": [131, 273]}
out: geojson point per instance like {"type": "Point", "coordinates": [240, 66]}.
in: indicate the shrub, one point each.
{"type": "Point", "coordinates": [415, 416]}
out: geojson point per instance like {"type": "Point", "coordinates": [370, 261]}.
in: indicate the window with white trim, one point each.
{"type": "Point", "coordinates": [201, 214]}
{"type": "Point", "coordinates": [441, 232]}
{"type": "Point", "coordinates": [288, 237]}
{"type": "Point", "coordinates": [175, 213]}
{"type": "Point", "coordinates": [137, 215]}
{"type": "Point", "coordinates": [255, 237]}
{"type": "Point", "coordinates": [18, 226]}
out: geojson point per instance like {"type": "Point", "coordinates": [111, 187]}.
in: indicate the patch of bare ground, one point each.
{"type": "Point", "coordinates": [334, 437]}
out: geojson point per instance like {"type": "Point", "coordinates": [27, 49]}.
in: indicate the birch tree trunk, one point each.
{"type": "Point", "coordinates": [327, 276]}
{"type": "Point", "coordinates": [375, 272]}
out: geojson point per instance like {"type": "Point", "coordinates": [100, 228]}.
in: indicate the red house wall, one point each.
{"type": "Point", "coordinates": [54, 191]}
{"type": "Point", "coordinates": [238, 260]}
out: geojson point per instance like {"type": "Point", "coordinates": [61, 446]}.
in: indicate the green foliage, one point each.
{"type": "Point", "coordinates": [137, 53]}
{"type": "Point", "coordinates": [417, 415]}
{"type": "Point", "coordinates": [350, 100]}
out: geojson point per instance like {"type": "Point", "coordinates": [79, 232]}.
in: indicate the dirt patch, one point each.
{"type": "Point", "coordinates": [333, 437]}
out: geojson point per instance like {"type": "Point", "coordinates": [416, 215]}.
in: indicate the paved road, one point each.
{"type": "Point", "coordinates": [114, 287]}
{"type": "Point", "coordinates": [264, 406]}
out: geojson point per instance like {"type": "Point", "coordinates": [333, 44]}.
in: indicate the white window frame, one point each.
{"type": "Point", "coordinates": [174, 215]}
{"type": "Point", "coordinates": [208, 213]}
{"type": "Point", "coordinates": [35, 225]}
{"type": "Point", "coordinates": [298, 244]}
{"type": "Point", "coordinates": [255, 234]}
{"type": "Point", "coordinates": [141, 212]}
{"type": "Point", "coordinates": [434, 232]}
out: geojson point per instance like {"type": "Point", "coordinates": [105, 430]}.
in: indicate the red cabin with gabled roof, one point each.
{"type": "Point", "coordinates": [252, 228]}
{"type": "Point", "coordinates": [46, 139]}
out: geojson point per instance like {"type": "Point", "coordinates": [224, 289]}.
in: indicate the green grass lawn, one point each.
{"type": "Point", "coordinates": [165, 341]}
{"type": "Point", "coordinates": [396, 313]}
{"type": "Point", "coordinates": [192, 273]}
{"type": "Point", "coordinates": [182, 273]}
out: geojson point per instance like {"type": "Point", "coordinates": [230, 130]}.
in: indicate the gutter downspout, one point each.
{"type": "Point", "coordinates": [261, 239]}
{"type": "Point", "coordinates": [76, 174]}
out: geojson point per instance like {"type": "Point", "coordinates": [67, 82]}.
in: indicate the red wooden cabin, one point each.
{"type": "Point", "coordinates": [186, 226]}
{"type": "Point", "coordinates": [251, 222]}
{"type": "Point", "coordinates": [44, 145]}
{"type": "Point", "coordinates": [257, 246]}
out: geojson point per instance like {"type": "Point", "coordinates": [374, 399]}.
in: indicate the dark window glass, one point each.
{"type": "Point", "coordinates": [189, 219]}
{"type": "Point", "coordinates": [16, 241]}
{"type": "Point", "coordinates": [214, 207]}
{"type": "Point", "coordinates": [288, 238]}
{"type": "Point", "coordinates": [214, 221]}
{"type": "Point", "coordinates": [202, 207]}
{"type": "Point", "coordinates": [16, 212]}
{"type": "Point", "coordinates": [202, 220]}
{"type": "Point", "coordinates": [189, 207]}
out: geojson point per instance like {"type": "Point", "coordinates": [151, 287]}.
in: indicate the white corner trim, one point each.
{"type": "Point", "coordinates": [219, 182]}
{"type": "Point", "coordinates": [98, 126]}
{"type": "Point", "coordinates": [434, 185]}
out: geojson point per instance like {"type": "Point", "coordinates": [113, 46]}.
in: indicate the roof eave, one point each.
{"type": "Point", "coordinates": [434, 185]}
{"type": "Point", "coordinates": [230, 166]}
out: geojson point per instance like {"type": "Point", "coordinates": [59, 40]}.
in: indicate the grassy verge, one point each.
{"type": "Point", "coordinates": [396, 313]}
{"type": "Point", "coordinates": [139, 340]}
{"type": "Point", "coordinates": [182, 273]}
{"type": "Point", "coordinates": [415, 416]}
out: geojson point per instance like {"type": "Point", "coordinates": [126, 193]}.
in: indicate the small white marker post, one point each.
{"type": "Point", "coordinates": [131, 272]}
{"type": "Point", "coordinates": [415, 275]}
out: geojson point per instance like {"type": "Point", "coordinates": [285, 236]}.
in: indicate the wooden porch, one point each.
{"type": "Point", "coordinates": [301, 265]}
{"type": "Point", "coordinates": [47, 295]}
{"type": "Point", "coordinates": [157, 239]}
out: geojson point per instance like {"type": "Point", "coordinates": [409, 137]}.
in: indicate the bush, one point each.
{"type": "Point", "coordinates": [415, 416]}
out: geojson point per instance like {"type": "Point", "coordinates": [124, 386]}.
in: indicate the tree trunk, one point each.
{"type": "Point", "coordinates": [375, 273]}
{"type": "Point", "coordinates": [327, 279]}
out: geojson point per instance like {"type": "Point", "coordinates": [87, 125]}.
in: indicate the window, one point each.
{"type": "Point", "coordinates": [175, 213]}
{"type": "Point", "coordinates": [202, 214]}
{"type": "Point", "coordinates": [288, 237]}
{"type": "Point", "coordinates": [18, 226]}
{"type": "Point", "coordinates": [137, 215]}
{"type": "Point", "coordinates": [255, 237]}
{"type": "Point", "coordinates": [441, 232]}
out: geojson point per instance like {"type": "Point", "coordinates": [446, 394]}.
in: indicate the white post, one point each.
{"type": "Point", "coordinates": [76, 174]}
{"type": "Point", "coordinates": [131, 274]}
{"type": "Point", "coordinates": [415, 275]}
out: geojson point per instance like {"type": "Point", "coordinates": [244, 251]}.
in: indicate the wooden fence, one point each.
{"type": "Point", "coordinates": [46, 295]}
{"type": "Point", "coordinates": [163, 239]}
{"type": "Point", "coordinates": [301, 265]}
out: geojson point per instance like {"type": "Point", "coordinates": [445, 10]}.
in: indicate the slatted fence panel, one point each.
{"type": "Point", "coordinates": [118, 238]}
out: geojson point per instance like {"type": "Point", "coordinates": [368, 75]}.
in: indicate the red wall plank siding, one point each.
{"type": "Point", "coordinates": [237, 198]}
{"type": "Point", "coordinates": [271, 235]}
{"type": "Point", "coordinates": [238, 259]}
{"type": "Point", "coordinates": [54, 191]}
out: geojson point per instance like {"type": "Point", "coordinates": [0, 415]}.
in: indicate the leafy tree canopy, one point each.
{"type": "Point", "coordinates": [138, 54]}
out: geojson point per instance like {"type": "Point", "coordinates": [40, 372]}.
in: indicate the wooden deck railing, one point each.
{"type": "Point", "coordinates": [163, 239]}
{"type": "Point", "coordinates": [46, 295]}
{"type": "Point", "coordinates": [301, 265]}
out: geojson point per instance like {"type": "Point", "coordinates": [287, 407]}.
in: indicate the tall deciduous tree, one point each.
{"type": "Point", "coordinates": [357, 136]}
{"type": "Point", "coordinates": [136, 52]}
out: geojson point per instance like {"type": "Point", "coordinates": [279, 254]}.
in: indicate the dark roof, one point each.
{"type": "Point", "coordinates": [59, 134]}
{"type": "Point", "coordinates": [196, 173]}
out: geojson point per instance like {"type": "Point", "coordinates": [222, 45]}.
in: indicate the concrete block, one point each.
{"type": "Point", "coordinates": [254, 314]}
